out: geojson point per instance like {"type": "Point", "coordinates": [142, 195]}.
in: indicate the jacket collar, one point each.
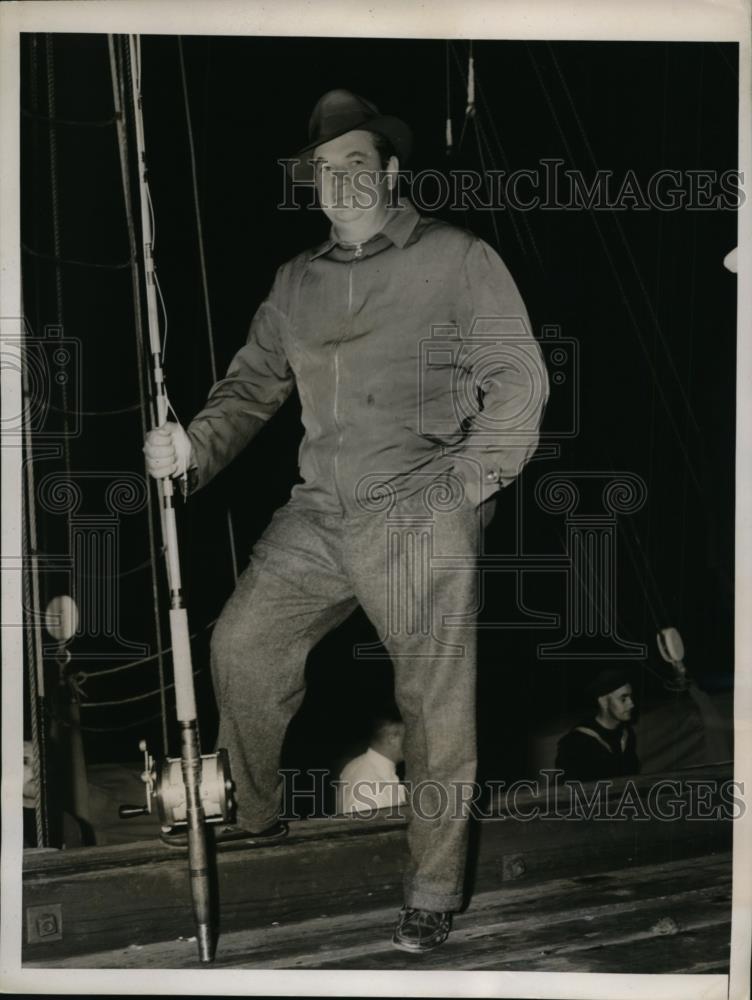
{"type": "Point", "coordinates": [398, 228]}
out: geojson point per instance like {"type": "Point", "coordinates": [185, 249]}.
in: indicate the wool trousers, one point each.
{"type": "Point", "coordinates": [411, 567]}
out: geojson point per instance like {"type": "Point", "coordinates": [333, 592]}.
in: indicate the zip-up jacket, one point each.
{"type": "Point", "coordinates": [414, 361]}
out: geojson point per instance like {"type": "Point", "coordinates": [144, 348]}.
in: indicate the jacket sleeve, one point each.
{"type": "Point", "coordinates": [502, 418]}
{"type": "Point", "coordinates": [257, 382]}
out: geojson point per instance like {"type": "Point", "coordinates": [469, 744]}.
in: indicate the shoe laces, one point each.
{"type": "Point", "coordinates": [423, 919]}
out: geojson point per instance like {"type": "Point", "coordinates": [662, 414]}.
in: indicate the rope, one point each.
{"type": "Point", "coordinates": [448, 128]}
{"type": "Point", "coordinates": [136, 697]}
{"type": "Point", "coordinates": [470, 109]}
{"type": "Point", "coordinates": [100, 729]}
{"type": "Point", "coordinates": [122, 573]}
{"type": "Point", "coordinates": [505, 163]}
{"type": "Point", "coordinates": [619, 228]}
{"type": "Point", "coordinates": [34, 655]}
{"type": "Point", "coordinates": [653, 409]}
{"type": "Point", "coordinates": [689, 467]}
{"type": "Point", "coordinates": [615, 272]}
{"type": "Point", "coordinates": [691, 342]}
{"type": "Point", "coordinates": [96, 413]}
{"type": "Point", "coordinates": [204, 280]}
{"type": "Point", "coordinates": [146, 404]}
{"type": "Point", "coordinates": [55, 198]}
{"type": "Point", "coordinates": [86, 675]}
{"type": "Point", "coordinates": [481, 136]}
{"type": "Point", "coordinates": [196, 205]}
{"type": "Point", "coordinates": [478, 139]}
{"type": "Point", "coordinates": [54, 122]}
{"type": "Point", "coordinates": [32, 601]}
{"type": "Point", "coordinates": [56, 258]}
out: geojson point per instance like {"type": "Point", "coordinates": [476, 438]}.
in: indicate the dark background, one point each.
{"type": "Point", "coordinates": [643, 294]}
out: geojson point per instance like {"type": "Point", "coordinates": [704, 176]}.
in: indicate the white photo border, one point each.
{"type": "Point", "coordinates": [625, 20]}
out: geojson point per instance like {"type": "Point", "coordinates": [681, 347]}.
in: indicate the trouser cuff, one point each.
{"type": "Point", "coordinates": [254, 825]}
{"type": "Point", "coordinates": [428, 897]}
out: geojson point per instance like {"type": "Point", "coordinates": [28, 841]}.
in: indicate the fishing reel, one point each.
{"type": "Point", "coordinates": [165, 789]}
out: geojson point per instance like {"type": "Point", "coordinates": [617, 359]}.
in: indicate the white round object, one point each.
{"type": "Point", "coordinates": [61, 618]}
{"type": "Point", "coordinates": [670, 645]}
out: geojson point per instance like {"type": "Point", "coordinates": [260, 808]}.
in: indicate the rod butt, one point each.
{"type": "Point", "coordinates": [205, 943]}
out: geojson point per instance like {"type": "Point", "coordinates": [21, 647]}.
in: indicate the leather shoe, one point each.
{"type": "Point", "coordinates": [421, 930]}
{"type": "Point", "coordinates": [228, 834]}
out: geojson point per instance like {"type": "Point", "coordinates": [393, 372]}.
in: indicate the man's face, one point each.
{"type": "Point", "coordinates": [29, 780]}
{"type": "Point", "coordinates": [350, 180]}
{"type": "Point", "coordinates": [618, 704]}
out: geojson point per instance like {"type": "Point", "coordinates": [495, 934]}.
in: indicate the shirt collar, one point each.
{"type": "Point", "coordinates": [386, 763]}
{"type": "Point", "coordinates": [400, 222]}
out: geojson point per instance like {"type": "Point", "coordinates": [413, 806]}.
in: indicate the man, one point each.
{"type": "Point", "coordinates": [402, 446]}
{"type": "Point", "coordinates": [603, 746]}
{"type": "Point", "coordinates": [370, 781]}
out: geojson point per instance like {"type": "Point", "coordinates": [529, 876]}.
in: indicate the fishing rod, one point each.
{"type": "Point", "coordinates": [193, 789]}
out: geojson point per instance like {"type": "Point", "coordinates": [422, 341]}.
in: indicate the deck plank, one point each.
{"type": "Point", "coordinates": [608, 922]}
{"type": "Point", "coordinates": [320, 872]}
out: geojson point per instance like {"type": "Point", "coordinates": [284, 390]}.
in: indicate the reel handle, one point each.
{"type": "Point", "coordinates": [127, 812]}
{"type": "Point", "coordinates": [148, 778]}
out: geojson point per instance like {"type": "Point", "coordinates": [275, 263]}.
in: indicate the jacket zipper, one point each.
{"type": "Point", "coordinates": [358, 254]}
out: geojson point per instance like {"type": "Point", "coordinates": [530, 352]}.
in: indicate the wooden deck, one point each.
{"type": "Point", "coordinates": [637, 921]}
{"type": "Point", "coordinates": [545, 895]}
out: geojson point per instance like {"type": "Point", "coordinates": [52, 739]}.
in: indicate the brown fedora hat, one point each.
{"type": "Point", "coordinates": [341, 111]}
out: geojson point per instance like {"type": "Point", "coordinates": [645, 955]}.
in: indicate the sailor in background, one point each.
{"type": "Point", "coordinates": [604, 744]}
{"type": "Point", "coordinates": [370, 780]}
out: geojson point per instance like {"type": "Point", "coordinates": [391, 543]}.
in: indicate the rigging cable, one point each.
{"type": "Point", "coordinates": [80, 787]}
{"type": "Point", "coordinates": [637, 275]}
{"type": "Point", "coordinates": [645, 574]}
{"type": "Point", "coordinates": [32, 601]}
{"type": "Point", "coordinates": [654, 347]}
{"type": "Point", "coordinates": [448, 127]}
{"type": "Point", "coordinates": [56, 242]}
{"type": "Point", "coordinates": [505, 162]}
{"type": "Point", "coordinates": [104, 729]}
{"type": "Point", "coordinates": [481, 157]}
{"type": "Point", "coordinates": [55, 122]}
{"type": "Point", "coordinates": [56, 258]}
{"type": "Point", "coordinates": [657, 387]}
{"type": "Point", "coordinates": [204, 280]}
{"type": "Point", "coordinates": [97, 413]}
{"type": "Point", "coordinates": [690, 417]}
{"type": "Point", "coordinates": [107, 671]}
{"type": "Point", "coordinates": [623, 524]}
{"type": "Point", "coordinates": [691, 338]}
{"type": "Point", "coordinates": [132, 698]}
{"type": "Point", "coordinates": [118, 89]}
